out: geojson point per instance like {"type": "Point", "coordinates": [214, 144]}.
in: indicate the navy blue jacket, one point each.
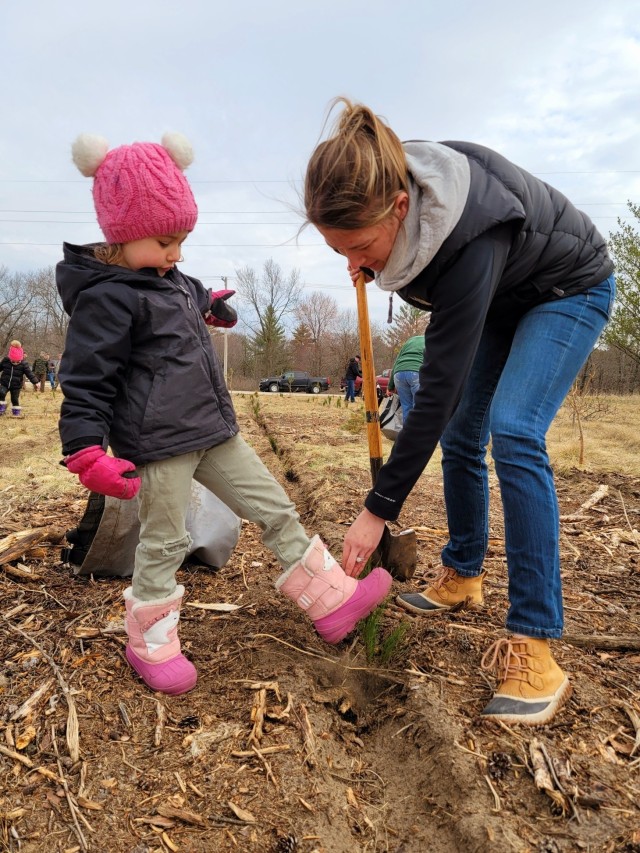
{"type": "Point", "coordinates": [139, 371]}
{"type": "Point", "coordinates": [12, 374]}
{"type": "Point", "coordinates": [517, 244]}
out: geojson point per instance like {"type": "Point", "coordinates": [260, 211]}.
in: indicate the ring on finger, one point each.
{"type": "Point", "coordinates": [359, 559]}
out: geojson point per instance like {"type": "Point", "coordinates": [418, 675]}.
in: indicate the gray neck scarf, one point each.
{"type": "Point", "coordinates": [439, 180]}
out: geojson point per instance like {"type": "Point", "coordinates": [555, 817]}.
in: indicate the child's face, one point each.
{"type": "Point", "coordinates": [161, 252]}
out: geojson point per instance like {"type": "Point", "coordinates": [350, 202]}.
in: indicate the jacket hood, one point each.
{"type": "Point", "coordinates": [80, 270]}
{"type": "Point", "coordinates": [439, 181]}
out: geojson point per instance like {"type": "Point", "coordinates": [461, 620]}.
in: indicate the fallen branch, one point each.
{"type": "Point", "coordinates": [600, 493]}
{"type": "Point", "coordinates": [266, 750]}
{"type": "Point", "coordinates": [258, 712]}
{"type": "Point", "coordinates": [171, 811]}
{"type": "Point", "coordinates": [16, 545]}
{"type": "Point", "coordinates": [635, 721]}
{"type": "Point", "coordinates": [161, 719]}
{"type": "Point", "coordinates": [27, 707]}
{"type": "Point", "coordinates": [308, 738]}
{"type": "Point", "coordinates": [65, 787]}
{"type": "Point", "coordinates": [603, 641]}
{"type": "Point", "coordinates": [73, 739]}
{"type": "Point", "coordinates": [542, 776]}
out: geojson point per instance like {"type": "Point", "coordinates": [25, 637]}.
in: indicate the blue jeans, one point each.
{"type": "Point", "coordinates": [407, 383]}
{"type": "Point", "coordinates": [351, 390]}
{"type": "Point", "coordinates": [518, 382]}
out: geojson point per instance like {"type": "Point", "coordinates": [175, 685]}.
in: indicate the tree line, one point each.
{"type": "Point", "coordinates": [283, 328]}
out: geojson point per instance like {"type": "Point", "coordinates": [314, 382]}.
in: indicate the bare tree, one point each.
{"type": "Point", "coordinates": [269, 299]}
{"type": "Point", "coordinates": [31, 311]}
{"type": "Point", "coordinates": [271, 295]}
{"type": "Point", "coordinates": [318, 314]}
{"type": "Point", "coordinates": [17, 303]}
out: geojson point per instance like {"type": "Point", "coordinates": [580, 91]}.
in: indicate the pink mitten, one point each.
{"type": "Point", "coordinates": [221, 314]}
{"type": "Point", "coordinates": [103, 474]}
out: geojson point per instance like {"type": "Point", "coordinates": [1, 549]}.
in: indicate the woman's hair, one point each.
{"type": "Point", "coordinates": [108, 253]}
{"type": "Point", "coordinates": [354, 177]}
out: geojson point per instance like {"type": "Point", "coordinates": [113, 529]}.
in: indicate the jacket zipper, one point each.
{"type": "Point", "coordinates": [193, 307]}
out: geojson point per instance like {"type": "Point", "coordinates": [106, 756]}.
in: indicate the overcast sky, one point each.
{"type": "Point", "coordinates": [554, 85]}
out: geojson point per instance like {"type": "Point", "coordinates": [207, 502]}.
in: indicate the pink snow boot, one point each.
{"type": "Point", "coordinates": [333, 601]}
{"type": "Point", "coordinates": [154, 648]}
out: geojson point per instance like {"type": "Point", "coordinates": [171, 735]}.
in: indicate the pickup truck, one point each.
{"type": "Point", "coordinates": [296, 380]}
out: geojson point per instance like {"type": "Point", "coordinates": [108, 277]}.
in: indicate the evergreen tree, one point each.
{"type": "Point", "coordinates": [623, 331]}
{"type": "Point", "coordinates": [268, 347]}
{"type": "Point", "coordinates": [302, 347]}
{"type": "Point", "coordinates": [409, 321]}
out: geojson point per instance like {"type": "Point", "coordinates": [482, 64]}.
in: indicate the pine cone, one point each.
{"type": "Point", "coordinates": [499, 765]}
{"type": "Point", "coordinates": [287, 844]}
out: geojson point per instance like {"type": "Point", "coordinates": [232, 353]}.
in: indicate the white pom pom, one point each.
{"type": "Point", "coordinates": [179, 149]}
{"type": "Point", "coordinates": [88, 152]}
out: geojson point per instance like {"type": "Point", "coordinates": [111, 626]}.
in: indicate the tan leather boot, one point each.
{"type": "Point", "coordinates": [532, 686]}
{"type": "Point", "coordinates": [447, 590]}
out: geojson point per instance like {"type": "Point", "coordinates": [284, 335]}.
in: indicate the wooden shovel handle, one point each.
{"type": "Point", "coordinates": [374, 436]}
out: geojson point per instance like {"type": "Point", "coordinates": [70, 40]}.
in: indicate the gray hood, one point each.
{"type": "Point", "coordinates": [439, 181]}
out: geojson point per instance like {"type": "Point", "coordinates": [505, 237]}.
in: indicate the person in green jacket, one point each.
{"type": "Point", "coordinates": [405, 375]}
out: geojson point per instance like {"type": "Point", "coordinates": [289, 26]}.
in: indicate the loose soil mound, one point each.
{"type": "Point", "coordinates": [288, 744]}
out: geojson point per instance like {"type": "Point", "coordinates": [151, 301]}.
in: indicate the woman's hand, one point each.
{"type": "Point", "coordinates": [356, 272]}
{"type": "Point", "coordinates": [361, 541]}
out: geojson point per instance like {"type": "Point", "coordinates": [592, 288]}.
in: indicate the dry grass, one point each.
{"type": "Point", "coordinates": [30, 456]}
{"type": "Point", "coordinates": [612, 442]}
{"type": "Point", "coordinates": [31, 449]}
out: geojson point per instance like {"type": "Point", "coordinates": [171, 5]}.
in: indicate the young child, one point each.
{"type": "Point", "coordinates": [139, 373]}
{"type": "Point", "coordinates": [13, 369]}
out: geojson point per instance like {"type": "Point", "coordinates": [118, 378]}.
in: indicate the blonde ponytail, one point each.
{"type": "Point", "coordinates": [354, 176]}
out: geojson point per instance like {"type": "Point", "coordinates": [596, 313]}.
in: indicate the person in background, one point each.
{"type": "Point", "coordinates": [56, 379]}
{"type": "Point", "coordinates": [139, 373]}
{"type": "Point", "coordinates": [39, 369]}
{"type": "Point", "coordinates": [353, 371]}
{"type": "Point", "coordinates": [52, 369]}
{"type": "Point", "coordinates": [405, 375]}
{"type": "Point", "coordinates": [520, 285]}
{"type": "Point", "coordinates": [13, 370]}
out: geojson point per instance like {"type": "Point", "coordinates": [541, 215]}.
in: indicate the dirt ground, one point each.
{"type": "Point", "coordinates": [288, 744]}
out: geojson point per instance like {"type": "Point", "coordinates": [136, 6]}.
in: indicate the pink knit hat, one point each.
{"type": "Point", "coordinates": [16, 353]}
{"type": "Point", "coordinates": [138, 190]}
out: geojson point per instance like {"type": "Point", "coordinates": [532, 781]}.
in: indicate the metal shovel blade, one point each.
{"type": "Point", "coordinates": [397, 553]}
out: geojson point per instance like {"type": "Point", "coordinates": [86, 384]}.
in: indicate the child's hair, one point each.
{"type": "Point", "coordinates": [15, 344]}
{"type": "Point", "coordinates": [108, 253]}
{"type": "Point", "coordinates": [354, 177]}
